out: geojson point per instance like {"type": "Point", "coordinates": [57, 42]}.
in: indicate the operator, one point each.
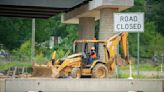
{"type": "Point", "coordinates": [92, 55]}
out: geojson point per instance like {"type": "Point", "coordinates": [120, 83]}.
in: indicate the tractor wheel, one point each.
{"type": "Point", "coordinates": [100, 71]}
{"type": "Point", "coordinates": [76, 73]}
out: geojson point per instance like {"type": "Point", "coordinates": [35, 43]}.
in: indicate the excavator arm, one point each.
{"type": "Point", "coordinates": [124, 45]}
{"type": "Point", "coordinates": [112, 44]}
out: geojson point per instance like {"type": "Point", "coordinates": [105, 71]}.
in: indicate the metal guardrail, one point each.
{"type": "Point", "coordinates": [16, 72]}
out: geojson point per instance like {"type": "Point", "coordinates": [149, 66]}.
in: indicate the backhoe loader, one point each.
{"type": "Point", "coordinates": [76, 65]}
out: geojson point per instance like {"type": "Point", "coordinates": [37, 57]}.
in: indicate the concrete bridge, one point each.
{"type": "Point", "coordinates": [37, 8]}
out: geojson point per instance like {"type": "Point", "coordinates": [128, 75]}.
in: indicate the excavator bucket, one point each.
{"type": "Point", "coordinates": [45, 70]}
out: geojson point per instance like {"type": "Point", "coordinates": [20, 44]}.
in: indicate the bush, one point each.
{"type": "Point", "coordinates": [40, 59]}
{"type": "Point", "coordinates": [23, 53]}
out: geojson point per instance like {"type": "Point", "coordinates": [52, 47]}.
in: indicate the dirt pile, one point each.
{"type": "Point", "coordinates": [44, 71]}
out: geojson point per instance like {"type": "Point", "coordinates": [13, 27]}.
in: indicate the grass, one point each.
{"type": "Point", "coordinates": [142, 67]}
{"type": "Point", "coordinates": [125, 76]}
{"type": "Point", "coordinates": [38, 59]}
{"type": "Point", "coordinates": [124, 71]}
{"type": "Point", "coordinates": [6, 66]}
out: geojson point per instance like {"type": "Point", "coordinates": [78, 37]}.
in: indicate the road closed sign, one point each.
{"type": "Point", "coordinates": [129, 22]}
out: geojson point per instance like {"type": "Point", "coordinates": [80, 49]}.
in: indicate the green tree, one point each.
{"type": "Point", "coordinates": [13, 31]}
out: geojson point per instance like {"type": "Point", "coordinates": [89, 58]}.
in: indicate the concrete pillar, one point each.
{"type": "Point", "coordinates": [86, 29]}
{"type": "Point", "coordinates": [106, 27]}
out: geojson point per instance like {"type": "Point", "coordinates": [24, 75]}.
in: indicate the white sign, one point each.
{"type": "Point", "coordinates": [129, 22]}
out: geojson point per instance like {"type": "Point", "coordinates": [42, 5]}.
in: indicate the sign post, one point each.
{"type": "Point", "coordinates": [162, 63]}
{"type": "Point", "coordinates": [33, 40]}
{"type": "Point", "coordinates": [130, 22]}
{"type": "Point", "coordinates": [138, 54]}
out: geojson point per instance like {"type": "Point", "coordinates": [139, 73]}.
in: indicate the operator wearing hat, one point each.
{"type": "Point", "coordinates": [92, 55]}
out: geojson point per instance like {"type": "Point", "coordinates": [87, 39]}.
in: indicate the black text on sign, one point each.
{"type": "Point", "coordinates": [128, 22]}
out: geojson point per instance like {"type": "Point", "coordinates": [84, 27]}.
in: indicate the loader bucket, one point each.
{"type": "Point", "coordinates": [44, 71]}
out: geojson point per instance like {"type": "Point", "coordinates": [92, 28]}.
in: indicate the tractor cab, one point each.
{"type": "Point", "coordinates": [88, 49]}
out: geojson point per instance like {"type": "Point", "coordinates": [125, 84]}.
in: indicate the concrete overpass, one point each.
{"type": "Point", "coordinates": [37, 8]}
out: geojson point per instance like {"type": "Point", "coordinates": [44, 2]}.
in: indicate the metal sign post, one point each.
{"type": "Point", "coordinates": [138, 54]}
{"type": "Point", "coordinates": [162, 63]}
{"type": "Point", "coordinates": [130, 22]}
{"type": "Point", "coordinates": [33, 40]}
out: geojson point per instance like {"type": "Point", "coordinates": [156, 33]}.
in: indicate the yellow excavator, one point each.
{"type": "Point", "coordinates": [76, 65]}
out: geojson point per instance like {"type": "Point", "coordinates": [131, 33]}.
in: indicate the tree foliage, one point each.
{"type": "Point", "coordinates": [14, 31]}
{"type": "Point", "coordinates": [152, 40]}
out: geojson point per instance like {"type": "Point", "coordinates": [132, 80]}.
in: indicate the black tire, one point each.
{"type": "Point", "coordinates": [100, 71]}
{"type": "Point", "coordinates": [76, 73]}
